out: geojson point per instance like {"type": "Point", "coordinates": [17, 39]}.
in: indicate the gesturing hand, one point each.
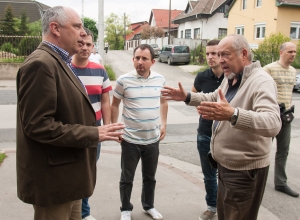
{"type": "Point", "coordinates": [110, 132]}
{"type": "Point", "coordinates": [220, 111]}
{"type": "Point", "coordinates": [177, 94]}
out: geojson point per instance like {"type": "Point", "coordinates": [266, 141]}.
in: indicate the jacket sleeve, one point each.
{"type": "Point", "coordinates": [263, 118]}
{"type": "Point", "coordinates": [51, 109]}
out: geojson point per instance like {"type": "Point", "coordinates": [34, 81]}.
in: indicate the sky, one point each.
{"type": "Point", "coordinates": [138, 10]}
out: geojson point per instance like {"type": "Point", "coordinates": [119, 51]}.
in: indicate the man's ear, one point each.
{"type": "Point", "coordinates": [55, 28]}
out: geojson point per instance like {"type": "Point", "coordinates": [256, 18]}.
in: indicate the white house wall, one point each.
{"type": "Point", "coordinates": [209, 27]}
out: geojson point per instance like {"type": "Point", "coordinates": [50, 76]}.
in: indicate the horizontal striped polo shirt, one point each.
{"type": "Point", "coordinates": [141, 106]}
{"type": "Point", "coordinates": [96, 81]}
{"type": "Point", "coordinates": [285, 80]}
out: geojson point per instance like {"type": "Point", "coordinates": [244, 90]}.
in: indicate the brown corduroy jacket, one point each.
{"type": "Point", "coordinates": [57, 134]}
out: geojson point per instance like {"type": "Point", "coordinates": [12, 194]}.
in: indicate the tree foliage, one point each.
{"type": "Point", "coordinates": [8, 24]}
{"type": "Point", "coordinates": [23, 27]}
{"type": "Point", "coordinates": [148, 32]}
{"type": "Point", "coordinates": [35, 28]}
{"type": "Point", "coordinates": [296, 63]}
{"type": "Point", "coordinates": [268, 50]}
{"type": "Point", "coordinates": [115, 31]}
{"type": "Point", "coordinates": [91, 25]}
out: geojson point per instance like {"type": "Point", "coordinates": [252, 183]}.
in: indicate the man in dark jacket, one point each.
{"type": "Point", "coordinates": [57, 135]}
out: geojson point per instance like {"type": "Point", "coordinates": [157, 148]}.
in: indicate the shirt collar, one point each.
{"type": "Point", "coordinates": [135, 73]}
{"type": "Point", "coordinates": [61, 52]}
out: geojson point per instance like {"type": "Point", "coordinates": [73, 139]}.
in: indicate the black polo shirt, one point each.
{"type": "Point", "coordinates": [206, 82]}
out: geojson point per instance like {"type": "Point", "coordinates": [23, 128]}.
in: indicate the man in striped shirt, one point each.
{"type": "Point", "coordinates": [145, 117]}
{"type": "Point", "coordinates": [97, 84]}
{"type": "Point", "coordinates": [284, 75]}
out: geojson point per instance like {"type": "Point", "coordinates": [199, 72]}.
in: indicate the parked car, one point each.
{"type": "Point", "coordinates": [156, 49]}
{"type": "Point", "coordinates": [175, 54]}
{"type": "Point", "coordinates": [297, 86]}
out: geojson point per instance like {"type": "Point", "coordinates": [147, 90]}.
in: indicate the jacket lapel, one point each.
{"type": "Point", "coordinates": [65, 67]}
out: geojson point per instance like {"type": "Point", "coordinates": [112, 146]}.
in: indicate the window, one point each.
{"type": "Point", "coordinates": [295, 30]}
{"type": "Point", "coordinates": [181, 34]}
{"type": "Point", "coordinates": [260, 31]}
{"type": "Point", "coordinates": [239, 30]}
{"type": "Point", "coordinates": [188, 34]}
{"type": "Point", "coordinates": [222, 32]}
{"type": "Point", "coordinates": [244, 4]}
{"type": "Point", "coordinates": [197, 33]}
{"type": "Point", "coordinates": [258, 3]}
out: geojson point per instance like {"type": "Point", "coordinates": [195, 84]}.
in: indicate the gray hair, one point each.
{"type": "Point", "coordinates": [54, 14]}
{"type": "Point", "coordinates": [239, 43]}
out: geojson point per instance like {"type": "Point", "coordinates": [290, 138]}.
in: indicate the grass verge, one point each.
{"type": "Point", "coordinates": [111, 74]}
{"type": "Point", "coordinates": [201, 69]}
{"type": "Point", "coordinates": [2, 157]}
{"type": "Point", "coordinates": [12, 60]}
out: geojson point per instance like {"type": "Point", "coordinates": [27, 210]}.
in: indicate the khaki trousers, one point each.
{"type": "Point", "coordinates": [66, 211]}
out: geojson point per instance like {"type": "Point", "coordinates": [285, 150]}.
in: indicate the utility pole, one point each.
{"type": "Point", "coordinates": [101, 29]}
{"type": "Point", "coordinates": [82, 15]}
{"type": "Point", "coordinates": [124, 31]}
{"type": "Point", "coordinates": [169, 21]}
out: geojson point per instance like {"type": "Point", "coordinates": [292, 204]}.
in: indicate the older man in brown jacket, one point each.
{"type": "Point", "coordinates": [57, 134]}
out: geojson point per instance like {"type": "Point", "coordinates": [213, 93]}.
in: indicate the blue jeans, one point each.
{"type": "Point", "coordinates": [85, 210]}
{"type": "Point", "coordinates": [283, 145]}
{"type": "Point", "coordinates": [210, 174]}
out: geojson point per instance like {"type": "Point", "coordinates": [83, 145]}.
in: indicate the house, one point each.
{"type": "Point", "coordinates": [132, 39]}
{"type": "Point", "coordinates": [34, 9]}
{"type": "Point", "coordinates": [160, 18]}
{"type": "Point", "coordinates": [203, 19]}
{"type": "Point", "coordinates": [257, 19]}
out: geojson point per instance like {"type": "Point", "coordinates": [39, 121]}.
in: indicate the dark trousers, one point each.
{"type": "Point", "coordinates": [210, 174]}
{"type": "Point", "coordinates": [131, 154]}
{"type": "Point", "coordinates": [240, 193]}
{"type": "Point", "coordinates": [283, 145]}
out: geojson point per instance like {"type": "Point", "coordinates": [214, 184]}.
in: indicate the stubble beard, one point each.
{"type": "Point", "coordinates": [231, 76]}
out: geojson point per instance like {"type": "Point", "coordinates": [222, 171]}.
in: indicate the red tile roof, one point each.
{"type": "Point", "coordinates": [161, 17]}
{"type": "Point", "coordinates": [136, 28]}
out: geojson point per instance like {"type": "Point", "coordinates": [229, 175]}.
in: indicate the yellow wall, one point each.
{"type": "Point", "coordinates": [287, 15]}
{"type": "Point", "coordinates": [275, 18]}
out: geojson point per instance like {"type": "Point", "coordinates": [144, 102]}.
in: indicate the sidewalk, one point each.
{"type": "Point", "coordinates": [179, 190]}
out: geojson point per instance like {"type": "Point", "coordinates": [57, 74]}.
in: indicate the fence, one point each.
{"type": "Point", "coordinates": [17, 46]}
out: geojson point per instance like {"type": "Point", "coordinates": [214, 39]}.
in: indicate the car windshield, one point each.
{"type": "Point", "coordinates": [181, 49]}
{"type": "Point", "coordinates": [154, 45]}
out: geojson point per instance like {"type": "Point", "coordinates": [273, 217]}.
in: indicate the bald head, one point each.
{"type": "Point", "coordinates": [287, 53]}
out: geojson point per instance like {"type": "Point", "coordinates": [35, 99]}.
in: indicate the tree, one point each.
{"type": "Point", "coordinates": [115, 31]}
{"type": "Point", "coordinates": [296, 63]}
{"type": "Point", "coordinates": [148, 32]}
{"type": "Point", "coordinates": [268, 50]}
{"type": "Point", "coordinates": [8, 24]}
{"type": "Point", "coordinates": [157, 32]}
{"type": "Point", "coordinates": [35, 28]}
{"type": "Point", "coordinates": [23, 28]}
{"type": "Point", "coordinates": [91, 25]}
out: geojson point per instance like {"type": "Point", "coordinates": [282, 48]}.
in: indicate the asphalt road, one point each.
{"type": "Point", "coordinates": [180, 142]}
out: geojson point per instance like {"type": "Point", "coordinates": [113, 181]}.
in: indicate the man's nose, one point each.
{"type": "Point", "coordinates": [82, 32]}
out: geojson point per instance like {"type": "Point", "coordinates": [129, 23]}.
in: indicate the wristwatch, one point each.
{"type": "Point", "coordinates": [234, 117]}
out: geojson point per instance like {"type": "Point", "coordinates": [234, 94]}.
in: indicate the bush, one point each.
{"type": "Point", "coordinates": [2, 157]}
{"type": "Point", "coordinates": [111, 74]}
{"type": "Point", "coordinates": [28, 45]}
{"type": "Point", "coordinates": [296, 63]}
{"type": "Point", "coordinates": [7, 47]}
{"type": "Point", "coordinates": [268, 50]}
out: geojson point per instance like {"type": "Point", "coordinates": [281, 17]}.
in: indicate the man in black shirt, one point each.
{"type": "Point", "coordinates": [208, 81]}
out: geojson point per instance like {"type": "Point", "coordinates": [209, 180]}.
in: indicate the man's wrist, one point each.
{"type": "Point", "coordinates": [188, 98]}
